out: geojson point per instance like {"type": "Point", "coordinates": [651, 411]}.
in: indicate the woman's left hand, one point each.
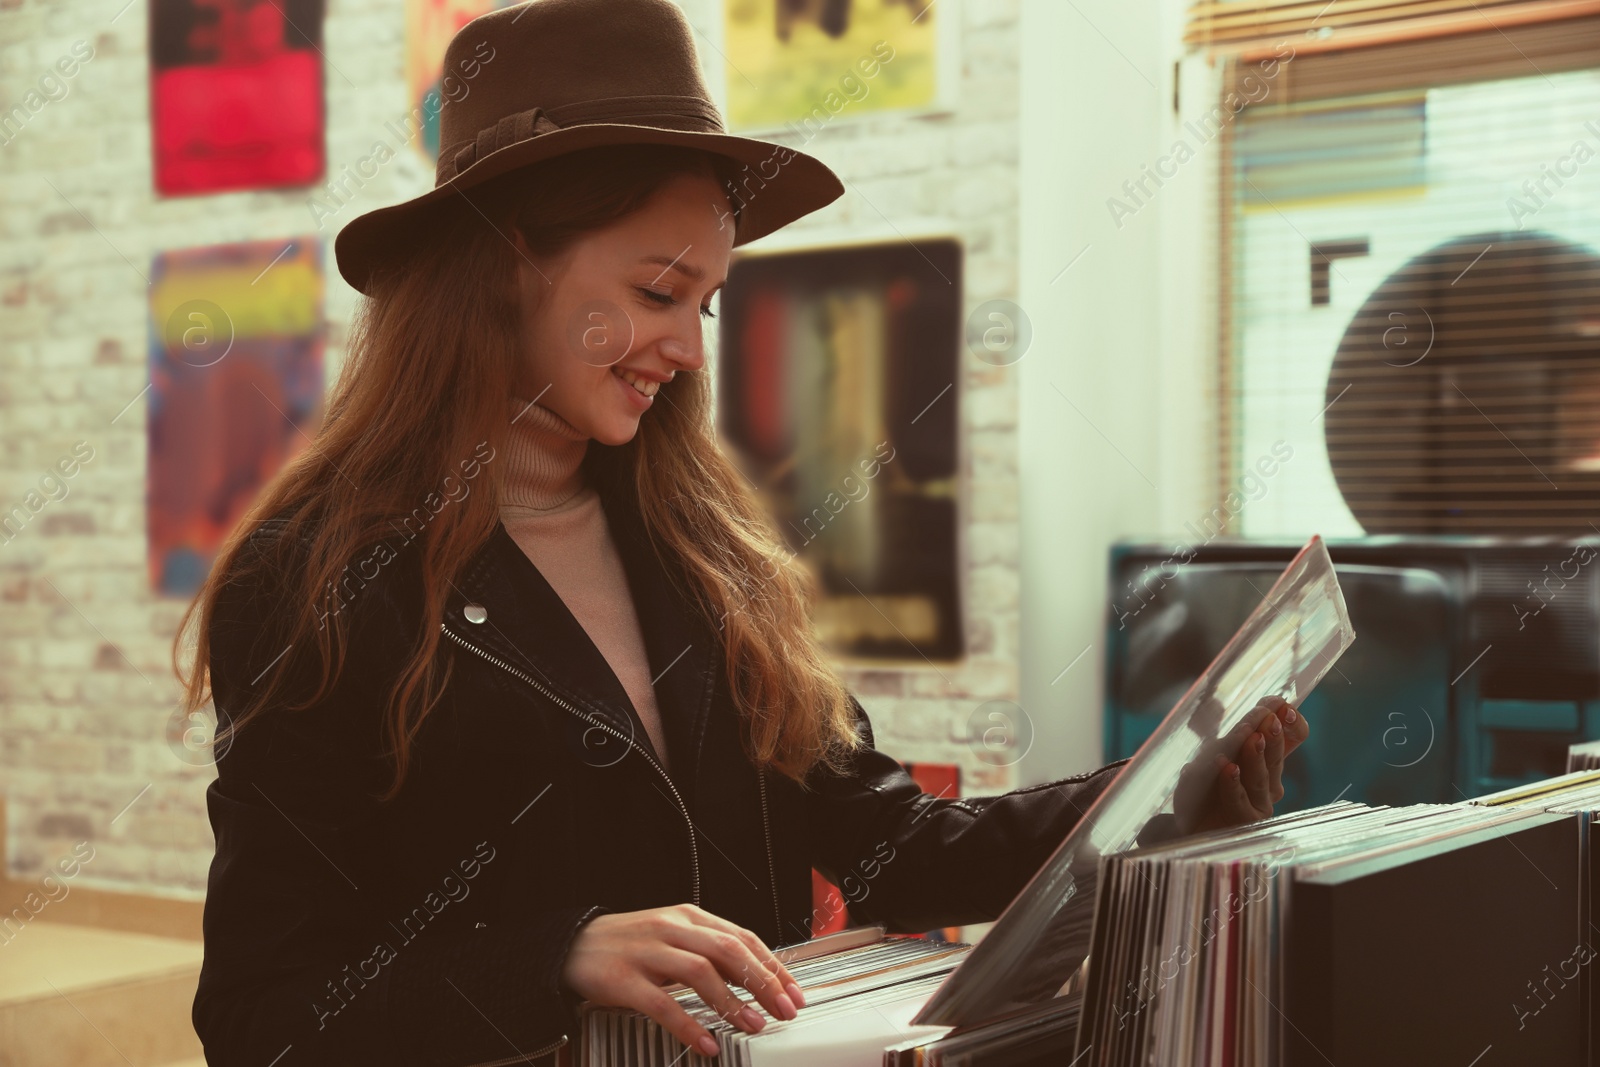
{"type": "Point", "coordinates": [1244, 789]}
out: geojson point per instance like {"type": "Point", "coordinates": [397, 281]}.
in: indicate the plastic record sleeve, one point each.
{"type": "Point", "coordinates": [1286, 646]}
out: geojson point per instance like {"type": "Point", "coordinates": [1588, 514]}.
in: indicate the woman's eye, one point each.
{"type": "Point", "coordinates": [667, 300]}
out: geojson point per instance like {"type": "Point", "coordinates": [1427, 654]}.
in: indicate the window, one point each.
{"type": "Point", "coordinates": [1411, 270]}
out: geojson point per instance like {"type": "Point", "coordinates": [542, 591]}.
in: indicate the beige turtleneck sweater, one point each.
{"type": "Point", "coordinates": [560, 525]}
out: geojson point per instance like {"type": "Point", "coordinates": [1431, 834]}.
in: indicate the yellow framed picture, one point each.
{"type": "Point", "coordinates": [804, 65]}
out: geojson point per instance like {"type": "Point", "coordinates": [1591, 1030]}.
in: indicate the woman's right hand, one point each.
{"type": "Point", "coordinates": [624, 959]}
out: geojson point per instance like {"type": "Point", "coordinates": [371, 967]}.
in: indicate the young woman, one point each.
{"type": "Point", "coordinates": [520, 701]}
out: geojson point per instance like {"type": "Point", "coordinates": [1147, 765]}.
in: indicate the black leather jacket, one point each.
{"type": "Point", "coordinates": [432, 929]}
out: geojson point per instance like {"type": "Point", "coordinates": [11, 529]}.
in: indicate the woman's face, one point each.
{"type": "Point", "coordinates": [620, 311]}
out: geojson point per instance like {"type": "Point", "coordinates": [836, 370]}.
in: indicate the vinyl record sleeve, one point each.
{"type": "Point", "coordinates": [1286, 646]}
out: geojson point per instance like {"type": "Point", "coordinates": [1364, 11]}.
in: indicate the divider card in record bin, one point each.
{"type": "Point", "coordinates": [236, 94]}
{"type": "Point", "coordinates": [236, 383]}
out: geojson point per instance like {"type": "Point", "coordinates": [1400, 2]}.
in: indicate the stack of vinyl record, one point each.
{"type": "Point", "coordinates": [862, 987]}
{"type": "Point", "coordinates": [1576, 791]}
{"type": "Point", "coordinates": [1343, 934]}
{"type": "Point", "coordinates": [1583, 756]}
{"type": "Point", "coordinates": [1180, 928]}
{"type": "Point", "coordinates": [1549, 998]}
{"type": "Point", "coordinates": [1037, 1036]}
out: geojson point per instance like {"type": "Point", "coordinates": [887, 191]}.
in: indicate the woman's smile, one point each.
{"type": "Point", "coordinates": [639, 392]}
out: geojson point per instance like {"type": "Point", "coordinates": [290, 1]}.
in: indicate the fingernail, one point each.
{"type": "Point", "coordinates": [1233, 770]}
{"type": "Point", "coordinates": [785, 1007]}
{"type": "Point", "coordinates": [1291, 715]}
{"type": "Point", "coordinates": [1275, 726]}
{"type": "Point", "coordinates": [795, 995]}
{"type": "Point", "coordinates": [750, 1020]}
{"type": "Point", "coordinates": [708, 1044]}
{"type": "Point", "coordinates": [1261, 743]}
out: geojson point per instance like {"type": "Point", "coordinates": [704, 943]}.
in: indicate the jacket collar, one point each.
{"type": "Point", "coordinates": [526, 623]}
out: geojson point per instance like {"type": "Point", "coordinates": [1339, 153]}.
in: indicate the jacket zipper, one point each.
{"type": "Point", "coordinates": [766, 833]}
{"type": "Point", "coordinates": [694, 851]}
{"type": "Point", "coordinates": [547, 1050]}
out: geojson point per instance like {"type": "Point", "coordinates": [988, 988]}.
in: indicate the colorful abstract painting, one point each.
{"type": "Point", "coordinates": [801, 65]}
{"type": "Point", "coordinates": [236, 94]}
{"type": "Point", "coordinates": [236, 384]}
{"type": "Point", "coordinates": [430, 24]}
{"type": "Point", "coordinates": [837, 395]}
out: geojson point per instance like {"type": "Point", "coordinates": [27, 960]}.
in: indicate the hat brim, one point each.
{"type": "Point", "coordinates": [800, 186]}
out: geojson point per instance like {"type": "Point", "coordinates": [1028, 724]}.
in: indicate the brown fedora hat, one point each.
{"type": "Point", "coordinates": [548, 77]}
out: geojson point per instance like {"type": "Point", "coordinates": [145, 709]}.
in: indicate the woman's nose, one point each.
{"type": "Point", "coordinates": [688, 352]}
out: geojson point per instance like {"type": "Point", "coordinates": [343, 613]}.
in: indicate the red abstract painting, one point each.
{"type": "Point", "coordinates": [236, 94]}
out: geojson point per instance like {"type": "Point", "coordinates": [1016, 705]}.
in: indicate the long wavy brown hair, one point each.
{"type": "Point", "coordinates": [432, 356]}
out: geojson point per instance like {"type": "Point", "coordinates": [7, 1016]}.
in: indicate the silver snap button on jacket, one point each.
{"type": "Point", "coordinates": [475, 612]}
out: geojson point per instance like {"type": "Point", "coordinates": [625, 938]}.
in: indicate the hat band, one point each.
{"type": "Point", "coordinates": [686, 114]}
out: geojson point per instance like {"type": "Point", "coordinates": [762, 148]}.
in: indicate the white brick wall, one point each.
{"type": "Point", "coordinates": [85, 686]}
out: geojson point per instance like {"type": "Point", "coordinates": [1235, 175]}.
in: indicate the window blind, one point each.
{"type": "Point", "coordinates": [1412, 293]}
{"type": "Point", "coordinates": [1251, 27]}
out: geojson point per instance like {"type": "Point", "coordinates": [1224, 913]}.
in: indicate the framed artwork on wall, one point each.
{"type": "Point", "coordinates": [837, 395]}
{"type": "Point", "coordinates": [429, 26]}
{"type": "Point", "coordinates": [236, 384]}
{"type": "Point", "coordinates": [799, 66]}
{"type": "Point", "coordinates": [236, 94]}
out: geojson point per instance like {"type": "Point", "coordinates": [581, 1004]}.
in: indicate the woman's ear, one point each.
{"type": "Point", "coordinates": [530, 265]}
{"type": "Point", "coordinates": [524, 267]}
